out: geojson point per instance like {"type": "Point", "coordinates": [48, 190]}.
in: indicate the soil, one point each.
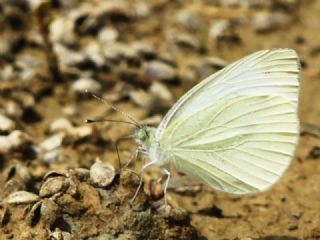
{"type": "Point", "coordinates": [36, 91]}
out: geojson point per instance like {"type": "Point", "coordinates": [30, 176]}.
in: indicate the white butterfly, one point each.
{"type": "Point", "coordinates": [237, 130]}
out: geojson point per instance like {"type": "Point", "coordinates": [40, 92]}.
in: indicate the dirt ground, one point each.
{"type": "Point", "coordinates": [141, 56]}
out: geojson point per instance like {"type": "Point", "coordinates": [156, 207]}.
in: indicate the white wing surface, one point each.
{"type": "Point", "coordinates": [237, 130]}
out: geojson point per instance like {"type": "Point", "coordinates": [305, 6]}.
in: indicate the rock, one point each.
{"type": "Point", "coordinates": [160, 70]}
{"type": "Point", "coordinates": [13, 109]}
{"type": "Point", "coordinates": [52, 156]}
{"type": "Point", "coordinates": [141, 98]}
{"type": "Point", "coordinates": [62, 31]}
{"type": "Point", "coordinates": [162, 97]}
{"type": "Point", "coordinates": [93, 53]}
{"type": "Point", "coordinates": [5, 145]}
{"type": "Point", "coordinates": [266, 21]}
{"type": "Point", "coordinates": [6, 124]}
{"type": "Point", "coordinates": [29, 66]}
{"type": "Point", "coordinates": [52, 142]}
{"type": "Point", "coordinates": [82, 131]}
{"type": "Point", "coordinates": [67, 57]}
{"type": "Point", "coordinates": [210, 65]}
{"type": "Point", "coordinates": [184, 40]}
{"type": "Point", "coordinates": [102, 174]}
{"type": "Point", "coordinates": [108, 35]}
{"type": "Point", "coordinates": [52, 186]}
{"type": "Point", "coordinates": [222, 30]}
{"type": "Point", "coordinates": [60, 124]}
{"type": "Point", "coordinates": [21, 197]}
{"type": "Point", "coordinates": [117, 50]}
{"type": "Point", "coordinates": [190, 20]}
{"type": "Point", "coordinates": [144, 48]}
{"type": "Point", "coordinates": [18, 139]}
{"type": "Point", "coordinates": [83, 84]}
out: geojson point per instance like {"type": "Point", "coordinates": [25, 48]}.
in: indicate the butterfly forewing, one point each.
{"type": "Point", "coordinates": [237, 130]}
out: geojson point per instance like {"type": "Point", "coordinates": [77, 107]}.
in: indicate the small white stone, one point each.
{"type": "Point", "coordinates": [191, 20]}
{"type": "Point", "coordinates": [52, 142]}
{"type": "Point", "coordinates": [108, 35]}
{"type": "Point", "coordinates": [21, 197]}
{"type": "Point", "coordinates": [221, 29]}
{"type": "Point", "coordinates": [265, 21]}
{"type": "Point", "coordinates": [161, 94]}
{"type": "Point", "coordinates": [5, 144]}
{"type": "Point", "coordinates": [6, 124]}
{"type": "Point", "coordinates": [160, 70]}
{"type": "Point", "coordinates": [102, 174]}
{"type": "Point", "coordinates": [18, 138]}
{"type": "Point", "coordinates": [82, 131]}
{"type": "Point", "coordinates": [141, 98]}
{"type": "Point", "coordinates": [83, 84]}
{"type": "Point", "coordinates": [62, 30]}
{"type": "Point", "coordinates": [60, 124]}
{"type": "Point", "coordinates": [52, 156]}
{"type": "Point", "coordinates": [13, 109]}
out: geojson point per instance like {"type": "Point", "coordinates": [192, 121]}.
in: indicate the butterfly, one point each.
{"type": "Point", "coordinates": [236, 131]}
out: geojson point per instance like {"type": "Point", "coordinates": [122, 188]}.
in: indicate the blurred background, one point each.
{"type": "Point", "coordinates": [140, 56]}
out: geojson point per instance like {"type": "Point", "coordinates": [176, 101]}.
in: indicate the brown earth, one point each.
{"type": "Point", "coordinates": [44, 92]}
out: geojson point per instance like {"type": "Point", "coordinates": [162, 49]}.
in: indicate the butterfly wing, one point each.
{"type": "Point", "coordinates": [237, 130]}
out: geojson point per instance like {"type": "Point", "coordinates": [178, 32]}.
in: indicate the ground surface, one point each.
{"type": "Point", "coordinates": [141, 55]}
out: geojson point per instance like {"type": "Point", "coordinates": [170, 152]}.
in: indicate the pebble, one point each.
{"type": "Point", "coordinates": [118, 50]}
{"type": "Point", "coordinates": [18, 138]}
{"type": "Point", "coordinates": [221, 30]}
{"type": "Point", "coordinates": [210, 65]}
{"type": "Point", "coordinates": [52, 142]}
{"type": "Point", "coordinates": [5, 145]}
{"type": "Point", "coordinates": [20, 197]}
{"type": "Point", "coordinates": [13, 109]}
{"type": "Point", "coordinates": [67, 57]}
{"type": "Point", "coordinates": [85, 83]}
{"type": "Point", "coordinates": [144, 48]}
{"type": "Point", "coordinates": [141, 9]}
{"type": "Point", "coordinates": [102, 174]}
{"type": "Point", "coordinates": [266, 21]}
{"type": "Point", "coordinates": [60, 124]}
{"type": "Point", "coordinates": [108, 35]}
{"type": "Point", "coordinates": [52, 186]}
{"type": "Point", "coordinates": [82, 131]}
{"type": "Point", "coordinates": [29, 66]}
{"type": "Point", "coordinates": [94, 54]}
{"type": "Point", "coordinates": [190, 20]}
{"type": "Point", "coordinates": [5, 47]}
{"type": "Point", "coordinates": [26, 99]}
{"type": "Point", "coordinates": [52, 156]}
{"type": "Point", "coordinates": [161, 94]}
{"type": "Point", "coordinates": [141, 98]}
{"type": "Point", "coordinates": [160, 70]}
{"type": "Point", "coordinates": [243, 3]}
{"type": "Point", "coordinates": [6, 124]}
{"type": "Point", "coordinates": [7, 73]}
{"type": "Point", "coordinates": [184, 40]}
{"type": "Point", "coordinates": [62, 31]}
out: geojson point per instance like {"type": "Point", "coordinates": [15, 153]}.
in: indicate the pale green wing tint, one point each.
{"type": "Point", "coordinates": [273, 72]}
{"type": "Point", "coordinates": [237, 130]}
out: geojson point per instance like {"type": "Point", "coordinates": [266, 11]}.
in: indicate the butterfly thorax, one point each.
{"type": "Point", "coordinates": [145, 137]}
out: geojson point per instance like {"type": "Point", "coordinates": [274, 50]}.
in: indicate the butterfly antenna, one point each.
{"type": "Point", "coordinates": [133, 121]}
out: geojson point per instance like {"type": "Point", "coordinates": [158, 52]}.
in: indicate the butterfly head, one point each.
{"type": "Point", "coordinates": [143, 134]}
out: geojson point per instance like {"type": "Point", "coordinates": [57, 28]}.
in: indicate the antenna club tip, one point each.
{"type": "Point", "coordinates": [88, 121]}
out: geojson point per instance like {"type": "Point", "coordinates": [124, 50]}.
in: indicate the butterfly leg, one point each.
{"type": "Point", "coordinates": [167, 173]}
{"type": "Point", "coordinates": [141, 179]}
{"type": "Point", "coordinates": [132, 159]}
